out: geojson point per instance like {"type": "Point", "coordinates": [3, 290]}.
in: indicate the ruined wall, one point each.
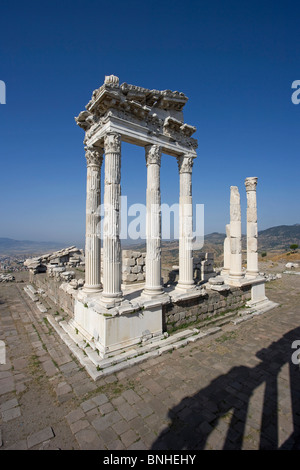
{"type": "Point", "coordinates": [187, 312]}
{"type": "Point", "coordinates": [204, 266]}
{"type": "Point", "coordinates": [133, 266]}
{"type": "Point", "coordinates": [51, 286]}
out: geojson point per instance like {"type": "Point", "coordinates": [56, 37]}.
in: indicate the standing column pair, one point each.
{"type": "Point", "coordinates": [233, 241]}
{"type": "Point", "coordinates": [111, 292]}
{"type": "Point", "coordinates": [153, 285]}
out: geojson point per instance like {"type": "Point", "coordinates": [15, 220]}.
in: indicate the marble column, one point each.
{"type": "Point", "coordinates": [112, 261]}
{"type": "Point", "coordinates": [94, 158]}
{"type": "Point", "coordinates": [153, 284]}
{"type": "Point", "coordinates": [227, 252]}
{"type": "Point", "coordinates": [186, 269]}
{"type": "Point", "coordinates": [252, 256]}
{"type": "Point", "coordinates": [236, 273]}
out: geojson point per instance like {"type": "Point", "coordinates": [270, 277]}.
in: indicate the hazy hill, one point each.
{"type": "Point", "coordinates": [8, 246]}
{"type": "Point", "coordinates": [272, 239]}
{"type": "Point", "coordinates": [279, 238]}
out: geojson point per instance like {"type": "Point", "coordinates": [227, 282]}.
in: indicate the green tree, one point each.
{"type": "Point", "coordinates": [293, 247]}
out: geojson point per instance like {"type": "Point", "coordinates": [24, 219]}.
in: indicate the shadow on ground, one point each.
{"type": "Point", "coordinates": [195, 417]}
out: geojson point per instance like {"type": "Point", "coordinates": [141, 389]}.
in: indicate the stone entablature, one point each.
{"type": "Point", "coordinates": [141, 116]}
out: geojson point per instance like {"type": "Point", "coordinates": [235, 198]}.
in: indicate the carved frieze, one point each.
{"type": "Point", "coordinates": [154, 112]}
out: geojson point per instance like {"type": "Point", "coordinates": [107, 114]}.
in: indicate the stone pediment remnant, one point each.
{"type": "Point", "coordinates": [156, 112]}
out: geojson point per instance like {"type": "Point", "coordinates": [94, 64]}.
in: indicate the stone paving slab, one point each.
{"type": "Point", "coordinates": [39, 437]}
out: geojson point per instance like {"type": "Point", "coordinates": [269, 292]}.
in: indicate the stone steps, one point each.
{"type": "Point", "coordinates": [30, 294]}
{"type": "Point", "coordinates": [41, 307]}
{"type": "Point", "coordinates": [253, 311]}
{"type": "Point", "coordinates": [98, 367]}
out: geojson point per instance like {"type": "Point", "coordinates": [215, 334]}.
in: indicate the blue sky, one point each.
{"type": "Point", "coordinates": [235, 60]}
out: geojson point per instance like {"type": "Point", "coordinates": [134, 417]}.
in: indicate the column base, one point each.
{"type": "Point", "coordinates": [111, 300]}
{"type": "Point", "coordinates": [235, 279]}
{"type": "Point", "coordinates": [153, 292]}
{"type": "Point", "coordinates": [185, 286]}
{"type": "Point", "coordinates": [224, 272]}
{"type": "Point", "coordinates": [252, 274]}
{"type": "Point", "coordinates": [92, 289]}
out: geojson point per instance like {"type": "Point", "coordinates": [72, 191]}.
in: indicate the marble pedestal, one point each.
{"type": "Point", "coordinates": [115, 329]}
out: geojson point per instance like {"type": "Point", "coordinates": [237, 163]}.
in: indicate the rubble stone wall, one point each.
{"type": "Point", "coordinates": [187, 312]}
{"type": "Point", "coordinates": [59, 297]}
{"type": "Point", "coordinates": [133, 266]}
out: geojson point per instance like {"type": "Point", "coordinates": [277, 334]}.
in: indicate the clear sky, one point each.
{"type": "Point", "coordinates": [235, 60]}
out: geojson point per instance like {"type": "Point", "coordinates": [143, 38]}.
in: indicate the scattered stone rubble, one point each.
{"type": "Point", "coordinates": [7, 278]}
{"type": "Point", "coordinates": [292, 265]}
{"type": "Point", "coordinates": [72, 257]}
{"type": "Point", "coordinates": [271, 277]}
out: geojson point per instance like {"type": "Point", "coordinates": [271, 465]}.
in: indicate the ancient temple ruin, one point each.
{"type": "Point", "coordinates": [154, 120]}
{"type": "Point", "coordinates": [115, 322]}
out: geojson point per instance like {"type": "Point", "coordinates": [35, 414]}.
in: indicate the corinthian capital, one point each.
{"type": "Point", "coordinates": [94, 156]}
{"type": "Point", "coordinates": [185, 164]}
{"type": "Point", "coordinates": [153, 154]}
{"type": "Point", "coordinates": [112, 143]}
{"type": "Point", "coordinates": [251, 183]}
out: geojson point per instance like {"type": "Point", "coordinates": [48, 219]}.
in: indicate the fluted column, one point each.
{"type": "Point", "coordinates": [236, 272]}
{"type": "Point", "coordinates": [186, 270]}
{"type": "Point", "coordinates": [94, 158]}
{"type": "Point", "coordinates": [153, 285]}
{"type": "Point", "coordinates": [111, 227]}
{"type": "Point", "coordinates": [252, 256]}
{"type": "Point", "coordinates": [227, 252]}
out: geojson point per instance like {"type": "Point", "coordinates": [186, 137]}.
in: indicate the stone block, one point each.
{"type": "Point", "coordinates": [129, 277]}
{"type": "Point", "coordinates": [127, 254]}
{"type": "Point", "coordinates": [126, 269]}
{"type": "Point", "coordinates": [128, 262]}
{"type": "Point", "coordinates": [39, 437]}
{"type": "Point", "coordinates": [182, 315]}
{"type": "Point", "coordinates": [136, 269]}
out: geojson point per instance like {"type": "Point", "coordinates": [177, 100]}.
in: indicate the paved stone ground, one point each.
{"type": "Point", "coordinates": [235, 390]}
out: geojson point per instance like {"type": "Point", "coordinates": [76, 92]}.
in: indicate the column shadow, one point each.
{"type": "Point", "coordinates": [195, 417]}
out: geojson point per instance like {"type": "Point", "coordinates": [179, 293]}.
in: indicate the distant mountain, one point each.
{"type": "Point", "coordinates": [279, 238]}
{"type": "Point", "coordinates": [274, 238]}
{"type": "Point", "coordinates": [9, 246]}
